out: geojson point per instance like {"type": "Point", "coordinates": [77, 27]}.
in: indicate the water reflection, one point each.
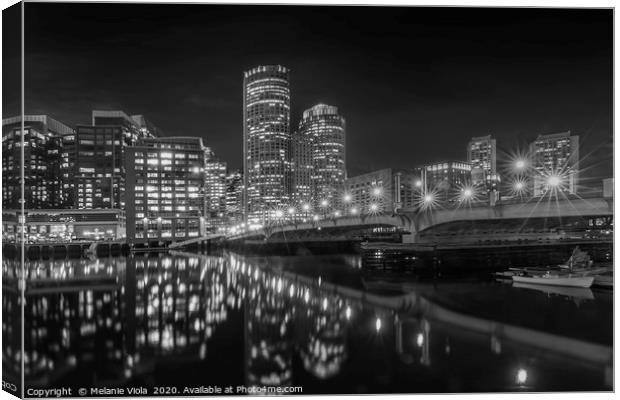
{"type": "Point", "coordinates": [164, 320]}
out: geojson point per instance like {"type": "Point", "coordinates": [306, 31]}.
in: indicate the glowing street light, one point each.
{"type": "Point", "coordinates": [306, 207]}
{"type": "Point", "coordinates": [315, 217]}
{"type": "Point", "coordinates": [521, 376]}
{"type": "Point", "coordinates": [377, 191]}
{"type": "Point", "coordinates": [520, 164]}
{"type": "Point", "coordinates": [336, 214]}
{"type": "Point", "coordinates": [324, 203]}
{"type": "Point", "coordinates": [374, 207]}
{"type": "Point", "coordinates": [519, 186]}
{"type": "Point", "coordinates": [467, 193]}
{"type": "Point", "coordinates": [279, 214]}
{"type": "Point", "coordinates": [291, 210]}
{"type": "Point", "coordinates": [428, 198]}
{"type": "Point", "coordinates": [554, 180]}
{"type": "Point", "coordinates": [354, 211]}
{"type": "Point", "coordinates": [347, 198]}
{"type": "Point", "coordinates": [418, 183]}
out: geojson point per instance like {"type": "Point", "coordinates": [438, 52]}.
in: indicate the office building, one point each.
{"type": "Point", "coordinates": [165, 190]}
{"type": "Point", "coordinates": [482, 155]}
{"type": "Point", "coordinates": [215, 192]}
{"type": "Point", "coordinates": [446, 178]}
{"type": "Point", "coordinates": [555, 163]}
{"type": "Point", "coordinates": [324, 129]}
{"type": "Point", "coordinates": [302, 170]}
{"type": "Point", "coordinates": [43, 141]}
{"type": "Point", "coordinates": [234, 198]}
{"type": "Point", "coordinates": [385, 190]}
{"type": "Point", "coordinates": [100, 171]}
{"type": "Point", "coordinates": [267, 141]}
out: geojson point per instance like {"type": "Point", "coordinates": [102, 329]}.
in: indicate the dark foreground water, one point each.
{"type": "Point", "coordinates": [187, 324]}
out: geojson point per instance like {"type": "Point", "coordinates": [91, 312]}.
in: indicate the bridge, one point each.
{"type": "Point", "coordinates": [417, 221]}
{"type": "Point", "coordinates": [196, 240]}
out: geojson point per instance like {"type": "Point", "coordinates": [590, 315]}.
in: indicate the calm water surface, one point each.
{"type": "Point", "coordinates": [322, 323]}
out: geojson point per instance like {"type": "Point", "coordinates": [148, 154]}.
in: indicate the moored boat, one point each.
{"type": "Point", "coordinates": [556, 280]}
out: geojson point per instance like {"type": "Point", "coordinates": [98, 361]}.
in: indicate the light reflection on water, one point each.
{"type": "Point", "coordinates": [231, 320]}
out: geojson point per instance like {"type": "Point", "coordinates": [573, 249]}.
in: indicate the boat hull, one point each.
{"type": "Point", "coordinates": [584, 281]}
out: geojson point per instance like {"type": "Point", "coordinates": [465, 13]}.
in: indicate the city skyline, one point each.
{"type": "Point", "coordinates": [204, 199]}
{"type": "Point", "coordinates": [415, 101]}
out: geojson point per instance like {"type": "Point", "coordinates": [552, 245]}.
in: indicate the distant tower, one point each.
{"type": "Point", "coordinates": [267, 141]}
{"type": "Point", "coordinates": [324, 129]}
{"type": "Point", "coordinates": [555, 162]}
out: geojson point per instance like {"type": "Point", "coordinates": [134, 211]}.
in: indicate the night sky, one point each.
{"type": "Point", "coordinates": [414, 84]}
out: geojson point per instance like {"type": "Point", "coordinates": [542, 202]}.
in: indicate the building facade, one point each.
{"type": "Point", "coordinates": [234, 198]}
{"type": "Point", "coordinates": [385, 190]}
{"type": "Point", "coordinates": [215, 192]}
{"type": "Point", "coordinates": [66, 225]}
{"type": "Point", "coordinates": [43, 148]}
{"type": "Point", "coordinates": [302, 170]}
{"type": "Point", "coordinates": [555, 163]}
{"type": "Point", "coordinates": [482, 155]}
{"type": "Point", "coordinates": [99, 173]}
{"type": "Point", "coordinates": [267, 170]}
{"type": "Point", "coordinates": [446, 178]}
{"type": "Point", "coordinates": [165, 190]}
{"type": "Point", "coordinates": [324, 129]}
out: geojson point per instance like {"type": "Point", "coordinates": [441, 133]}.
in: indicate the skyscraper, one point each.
{"type": "Point", "coordinates": [324, 129]}
{"type": "Point", "coordinates": [555, 162]}
{"type": "Point", "coordinates": [165, 189]}
{"type": "Point", "coordinates": [267, 169]}
{"type": "Point", "coordinates": [43, 140]}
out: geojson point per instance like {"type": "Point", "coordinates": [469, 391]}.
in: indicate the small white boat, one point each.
{"type": "Point", "coordinates": [556, 280]}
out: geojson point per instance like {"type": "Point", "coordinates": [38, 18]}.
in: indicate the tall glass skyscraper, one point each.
{"type": "Point", "coordinates": [267, 143]}
{"type": "Point", "coordinates": [325, 129]}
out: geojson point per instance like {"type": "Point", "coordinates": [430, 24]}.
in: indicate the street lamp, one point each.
{"type": "Point", "coordinates": [554, 181]}
{"type": "Point", "coordinates": [374, 207]}
{"type": "Point", "coordinates": [418, 183]}
{"type": "Point", "coordinates": [336, 213]}
{"type": "Point", "coordinates": [354, 211]}
{"type": "Point", "coordinates": [376, 191]}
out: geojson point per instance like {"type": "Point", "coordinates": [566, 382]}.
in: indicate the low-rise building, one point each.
{"type": "Point", "coordinates": [60, 225]}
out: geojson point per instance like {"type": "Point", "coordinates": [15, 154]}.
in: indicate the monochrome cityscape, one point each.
{"type": "Point", "coordinates": [120, 178]}
{"type": "Point", "coordinates": [222, 199]}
